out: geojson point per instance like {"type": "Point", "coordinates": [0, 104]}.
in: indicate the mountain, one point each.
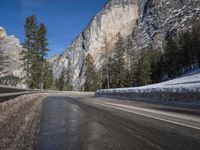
{"type": "Point", "coordinates": [13, 70]}
{"type": "Point", "coordinates": [145, 22]}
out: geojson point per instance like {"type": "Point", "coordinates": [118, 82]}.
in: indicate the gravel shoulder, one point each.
{"type": "Point", "coordinates": [19, 122]}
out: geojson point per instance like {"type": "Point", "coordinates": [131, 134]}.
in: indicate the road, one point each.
{"type": "Point", "coordinates": [78, 123]}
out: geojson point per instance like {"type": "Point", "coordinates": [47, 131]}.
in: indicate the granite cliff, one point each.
{"type": "Point", "coordinates": [146, 22]}
{"type": "Point", "coordinates": [11, 48]}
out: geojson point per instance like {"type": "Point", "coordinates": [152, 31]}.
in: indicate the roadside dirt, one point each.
{"type": "Point", "coordinates": [19, 122]}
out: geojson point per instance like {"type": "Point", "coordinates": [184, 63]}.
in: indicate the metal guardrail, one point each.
{"type": "Point", "coordinates": [7, 92]}
{"type": "Point", "coordinates": [9, 89]}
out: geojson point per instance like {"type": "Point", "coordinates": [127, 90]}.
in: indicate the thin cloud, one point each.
{"type": "Point", "coordinates": [29, 5]}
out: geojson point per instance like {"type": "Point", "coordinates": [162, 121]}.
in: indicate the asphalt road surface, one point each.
{"type": "Point", "coordinates": [72, 123]}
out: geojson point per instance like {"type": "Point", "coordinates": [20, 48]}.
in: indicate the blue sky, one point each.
{"type": "Point", "coordinates": [64, 19]}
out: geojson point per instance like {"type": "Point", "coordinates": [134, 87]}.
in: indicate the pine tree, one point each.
{"type": "Point", "coordinates": [157, 67]}
{"type": "Point", "coordinates": [35, 49]}
{"type": "Point", "coordinates": [118, 70]}
{"type": "Point", "coordinates": [155, 59]}
{"type": "Point", "coordinates": [144, 70]}
{"type": "Point", "coordinates": [48, 76]}
{"type": "Point", "coordinates": [61, 82]}
{"type": "Point", "coordinates": [56, 84]}
{"type": "Point", "coordinates": [196, 43]}
{"type": "Point", "coordinates": [69, 86]}
{"type": "Point", "coordinates": [29, 53]}
{"type": "Point", "coordinates": [187, 49]}
{"type": "Point", "coordinates": [42, 40]}
{"type": "Point", "coordinates": [171, 58]}
{"type": "Point", "coordinates": [91, 76]}
{"type": "Point", "coordinates": [42, 51]}
{"type": "Point", "coordinates": [132, 61]}
{"type": "Point", "coordinates": [189, 46]}
{"type": "Point", "coordinates": [105, 69]}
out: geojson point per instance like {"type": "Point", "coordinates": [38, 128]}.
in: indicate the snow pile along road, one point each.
{"type": "Point", "coordinates": [184, 84]}
{"type": "Point", "coordinates": [184, 89]}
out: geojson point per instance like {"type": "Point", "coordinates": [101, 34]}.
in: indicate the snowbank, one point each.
{"type": "Point", "coordinates": [184, 89]}
{"type": "Point", "coordinates": [189, 83]}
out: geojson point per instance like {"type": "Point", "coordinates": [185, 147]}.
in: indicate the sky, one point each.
{"type": "Point", "coordinates": [64, 19]}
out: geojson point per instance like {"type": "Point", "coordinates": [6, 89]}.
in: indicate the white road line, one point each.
{"type": "Point", "coordinates": [142, 114]}
{"type": "Point", "coordinates": [158, 118]}
{"type": "Point", "coordinates": [163, 113]}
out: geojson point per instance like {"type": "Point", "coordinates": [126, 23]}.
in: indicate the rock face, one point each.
{"type": "Point", "coordinates": [160, 19]}
{"type": "Point", "coordinates": [11, 48]}
{"type": "Point", "coordinates": [145, 21]}
{"type": "Point", "coordinates": [117, 16]}
{"type": "Point", "coordinates": [3, 33]}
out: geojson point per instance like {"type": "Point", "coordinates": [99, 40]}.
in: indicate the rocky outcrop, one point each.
{"type": "Point", "coordinates": [160, 19]}
{"type": "Point", "coordinates": [11, 48]}
{"type": "Point", "coordinates": [145, 21]}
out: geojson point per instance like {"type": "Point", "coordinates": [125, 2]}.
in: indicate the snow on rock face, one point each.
{"type": "Point", "coordinates": [11, 49]}
{"type": "Point", "coordinates": [146, 21]}
{"type": "Point", "coordinates": [160, 19]}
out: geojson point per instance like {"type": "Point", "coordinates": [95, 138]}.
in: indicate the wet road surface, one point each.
{"type": "Point", "coordinates": [80, 124]}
